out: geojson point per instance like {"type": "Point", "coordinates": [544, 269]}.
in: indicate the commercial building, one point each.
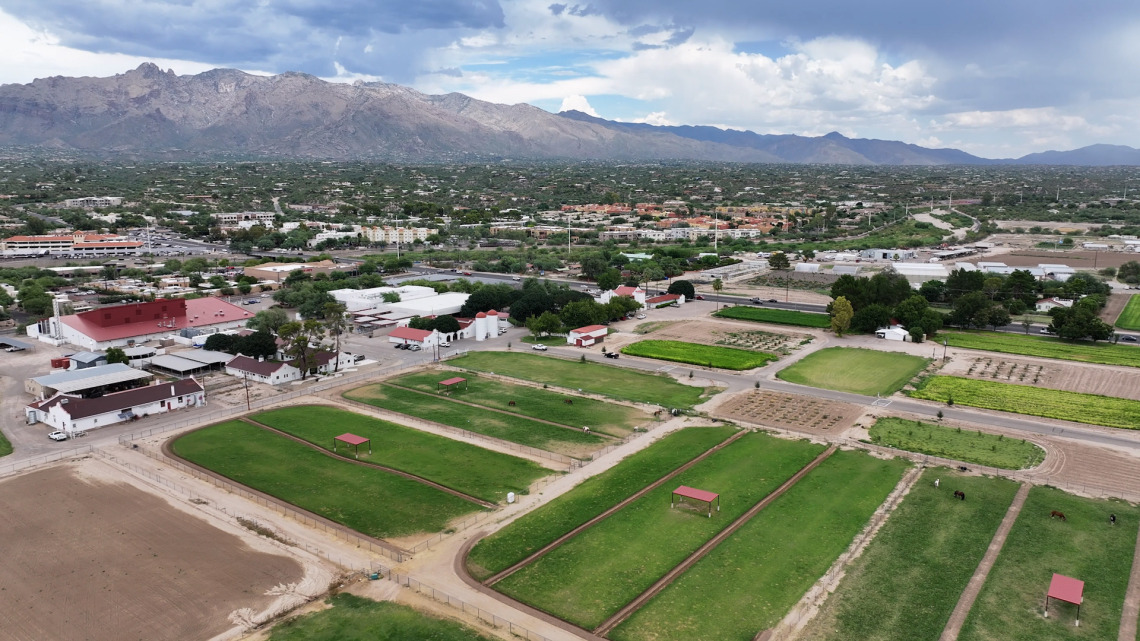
{"type": "Point", "coordinates": [78, 244]}
{"type": "Point", "coordinates": [92, 381]}
{"type": "Point", "coordinates": [278, 272]}
{"type": "Point", "coordinates": [76, 414]}
{"type": "Point", "coordinates": [93, 202]}
{"type": "Point", "coordinates": [125, 325]}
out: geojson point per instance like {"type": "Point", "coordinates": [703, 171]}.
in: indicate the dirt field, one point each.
{"type": "Point", "coordinates": [717, 332]}
{"type": "Point", "coordinates": [791, 412]}
{"type": "Point", "coordinates": [1072, 377]}
{"type": "Point", "coordinates": [1117, 301]}
{"type": "Point", "coordinates": [87, 556]}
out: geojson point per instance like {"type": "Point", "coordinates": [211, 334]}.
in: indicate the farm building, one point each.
{"type": "Point", "coordinates": [418, 337]}
{"type": "Point", "coordinates": [262, 371]}
{"type": "Point", "coordinates": [1046, 304]}
{"type": "Point", "coordinates": [807, 268]}
{"type": "Point", "coordinates": [636, 293]}
{"type": "Point", "coordinates": [587, 336]}
{"type": "Point", "coordinates": [85, 360]}
{"type": "Point", "coordinates": [76, 414]}
{"type": "Point", "coordinates": [665, 299]}
{"type": "Point", "coordinates": [92, 381]}
{"type": "Point", "coordinates": [190, 361]}
{"type": "Point", "coordinates": [124, 325]}
{"type": "Point", "coordinates": [893, 333]}
{"type": "Point", "coordinates": [919, 273]}
{"type": "Point", "coordinates": [888, 254]}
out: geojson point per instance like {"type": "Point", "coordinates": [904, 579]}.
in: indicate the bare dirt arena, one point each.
{"type": "Point", "coordinates": [1053, 374]}
{"type": "Point", "coordinates": [791, 412]}
{"type": "Point", "coordinates": [87, 556]}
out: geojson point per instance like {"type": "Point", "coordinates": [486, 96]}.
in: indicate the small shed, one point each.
{"type": "Point", "coordinates": [701, 496]}
{"type": "Point", "coordinates": [353, 440]}
{"type": "Point", "coordinates": [893, 333]}
{"type": "Point", "coordinates": [587, 336]}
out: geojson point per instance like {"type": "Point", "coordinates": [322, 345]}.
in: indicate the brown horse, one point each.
{"type": "Point", "coordinates": [511, 403]}
{"type": "Point", "coordinates": [959, 494]}
{"type": "Point", "coordinates": [568, 401]}
{"type": "Point", "coordinates": [1057, 515]}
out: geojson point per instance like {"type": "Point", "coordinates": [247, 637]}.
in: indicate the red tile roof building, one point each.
{"type": "Point", "coordinates": [138, 322]}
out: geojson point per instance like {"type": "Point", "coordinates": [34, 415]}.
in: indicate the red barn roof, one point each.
{"type": "Point", "coordinates": [409, 334]}
{"type": "Point", "coordinates": [140, 319]}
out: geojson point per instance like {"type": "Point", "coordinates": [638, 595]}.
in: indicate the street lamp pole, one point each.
{"type": "Point", "coordinates": [944, 344]}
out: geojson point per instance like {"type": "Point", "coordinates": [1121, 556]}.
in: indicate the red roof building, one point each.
{"type": "Point", "coordinates": [587, 336]}
{"type": "Point", "coordinates": [138, 322]}
{"type": "Point", "coordinates": [76, 414]}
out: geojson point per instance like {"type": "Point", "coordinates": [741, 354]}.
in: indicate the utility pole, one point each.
{"type": "Point", "coordinates": [245, 381]}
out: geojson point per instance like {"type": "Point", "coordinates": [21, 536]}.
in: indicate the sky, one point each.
{"type": "Point", "coordinates": [996, 78]}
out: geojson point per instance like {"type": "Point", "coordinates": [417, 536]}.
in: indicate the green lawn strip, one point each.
{"type": "Point", "coordinates": [607, 380]}
{"type": "Point", "coordinates": [593, 496]}
{"type": "Point", "coordinates": [460, 466]}
{"type": "Point", "coordinates": [370, 501]}
{"type": "Point", "coordinates": [1084, 547]}
{"type": "Point", "coordinates": [750, 581]}
{"type": "Point", "coordinates": [1045, 347]}
{"type": "Point", "coordinates": [5, 446]}
{"type": "Point", "coordinates": [1033, 401]}
{"type": "Point", "coordinates": [977, 447]}
{"type": "Point", "coordinates": [550, 341]}
{"type": "Point", "coordinates": [695, 354]}
{"type": "Point", "coordinates": [548, 405]}
{"type": "Point", "coordinates": [856, 370]}
{"type": "Point", "coordinates": [777, 316]}
{"type": "Point", "coordinates": [907, 582]}
{"type": "Point", "coordinates": [353, 618]}
{"type": "Point", "coordinates": [509, 427]}
{"type": "Point", "coordinates": [597, 572]}
{"type": "Point", "coordinates": [1130, 317]}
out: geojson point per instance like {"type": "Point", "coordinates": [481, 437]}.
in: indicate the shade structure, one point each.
{"type": "Point", "coordinates": [353, 440]}
{"type": "Point", "coordinates": [450, 383]}
{"type": "Point", "coordinates": [1068, 589]}
{"type": "Point", "coordinates": [704, 496]}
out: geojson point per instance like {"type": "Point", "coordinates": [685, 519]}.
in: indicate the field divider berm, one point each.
{"type": "Point", "coordinates": [601, 517]}
{"type": "Point", "coordinates": [384, 468]}
{"type": "Point", "coordinates": [621, 615]}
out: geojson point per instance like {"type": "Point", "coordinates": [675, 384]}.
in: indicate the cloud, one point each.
{"type": "Point", "coordinates": [578, 103]}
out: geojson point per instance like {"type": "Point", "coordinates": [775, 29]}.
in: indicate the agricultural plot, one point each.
{"type": "Point", "coordinates": [1045, 347]}
{"type": "Point", "coordinates": [696, 354]}
{"type": "Point", "coordinates": [908, 580]}
{"type": "Point", "coordinates": [460, 466]}
{"type": "Point", "coordinates": [607, 418]}
{"type": "Point", "coordinates": [593, 496]}
{"type": "Point", "coordinates": [501, 425]}
{"type": "Point", "coordinates": [594, 574]}
{"type": "Point", "coordinates": [353, 618]}
{"type": "Point", "coordinates": [791, 412]}
{"type": "Point", "coordinates": [770, 342]}
{"type": "Point", "coordinates": [749, 582]}
{"type": "Point", "coordinates": [370, 501]}
{"type": "Point", "coordinates": [605, 380]}
{"type": "Point", "coordinates": [1084, 546]}
{"type": "Point", "coordinates": [980, 448]}
{"type": "Point", "coordinates": [776, 316]}
{"type": "Point", "coordinates": [1034, 401]}
{"type": "Point", "coordinates": [1062, 375]}
{"type": "Point", "coordinates": [856, 370]}
{"type": "Point", "coordinates": [1130, 317]}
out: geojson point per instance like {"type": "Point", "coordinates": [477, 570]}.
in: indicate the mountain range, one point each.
{"type": "Point", "coordinates": [147, 112]}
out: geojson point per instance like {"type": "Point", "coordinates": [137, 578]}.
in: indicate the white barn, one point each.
{"type": "Point", "coordinates": [72, 414]}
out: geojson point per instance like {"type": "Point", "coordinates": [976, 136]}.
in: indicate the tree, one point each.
{"type": "Point", "coordinates": [717, 285]}
{"type": "Point", "coordinates": [870, 318]}
{"type": "Point", "coordinates": [779, 261]}
{"type": "Point", "coordinates": [910, 311]}
{"type": "Point", "coordinates": [544, 325]}
{"type": "Point", "coordinates": [581, 313]}
{"type": "Point", "coordinates": [1129, 273]}
{"type": "Point", "coordinates": [841, 314]}
{"type": "Point", "coordinates": [219, 343]}
{"type": "Point", "coordinates": [268, 320]}
{"type": "Point", "coordinates": [970, 310]}
{"type": "Point", "coordinates": [117, 355]}
{"type": "Point", "coordinates": [302, 341]}
{"type": "Point", "coordinates": [684, 288]}
{"type": "Point", "coordinates": [336, 321]}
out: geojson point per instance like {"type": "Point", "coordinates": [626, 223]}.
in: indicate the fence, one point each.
{"type": "Point", "coordinates": [12, 468]}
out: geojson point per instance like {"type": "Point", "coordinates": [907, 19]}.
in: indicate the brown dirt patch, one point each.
{"type": "Point", "coordinates": [90, 559]}
{"type": "Point", "coordinates": [715, 332]}
{"type": "Point", "coordinates": [1071, 377]}
{"type": "Point", "coordinates": [791, 412]}
{"type": "Point", "coordinates": [1116, 304]}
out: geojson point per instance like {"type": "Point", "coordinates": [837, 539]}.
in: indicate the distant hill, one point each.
{"type": "Point", "coordinates": [147, 112]}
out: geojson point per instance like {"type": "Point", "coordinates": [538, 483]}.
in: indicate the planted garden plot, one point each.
{"type": "Point", "coordinates": [763, 341]}
{"type": "Point", "coordinates": [1045, 347]}
{"type": "Point", "coordinates": [791, 412]}
{"type": "Point", "coordinates": [696, 354]}
{"type": "Point", "coordinates": [777, 316]}
{"type": "Point", "coordinates": [957, 444]}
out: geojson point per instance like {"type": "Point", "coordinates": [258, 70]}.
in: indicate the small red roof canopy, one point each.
{"type": "Point", "coordinates": [352, 439]}
{"type": "Point", "coordinates": [451, 382]}
{"type": "Point", "coordinates": [694, 493]}
{"type": "Point", "coordinates": [1066, 588]}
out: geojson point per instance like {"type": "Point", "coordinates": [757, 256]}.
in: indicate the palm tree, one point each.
{"type": "Point", "coordinates": [335, 323]}
{"type": "Point", "coordinates": [717, 285]}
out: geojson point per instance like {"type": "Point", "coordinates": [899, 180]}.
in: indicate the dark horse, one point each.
{"type": "Point", "coordinates": [959, 494]}
{"type": "Point", "coordinates": [568, 401]}
{"type": "Point", "coordinates": [1057, 515]}
{"type": "Point", "coordinates": [511, 403]}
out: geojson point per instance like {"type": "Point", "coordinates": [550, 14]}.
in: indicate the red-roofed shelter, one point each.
{"type": "Point", "coordinates": [353, 440]}
{"type": "Point", "coordinates": [702, 496]}
{"type": "Point", "coordinates": [450, 383]}
{"type": "Point", "coordinates": [1067, 589]}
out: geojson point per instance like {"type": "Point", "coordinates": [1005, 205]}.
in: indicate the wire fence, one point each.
{"type": "Point", "coordinates": [19, 466]}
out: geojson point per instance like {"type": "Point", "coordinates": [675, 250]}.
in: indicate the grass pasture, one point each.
{"type": "Point", "coordinates": [5, 446]}
{"type": "Point", "coordinates": [750, 581]}
{"type": "Point", "coordinates": [460, 466]}
{"type": "Point", "coordinates": [1086, 547]}
{"type": "Point", "coordinates": [980, 448]}
{"type": "Point", "coordinates": [593, 496]}
{"type": "Point", "coordinates": [908, 580]}
{"type": "Point", "coordinates": [591, 576]}
{"type": "Point", "coordinates": [607, 418]}
{"type": "Point", "coordinates": [1045, 347]}
{"type": "Point", "coordinates": [505, 426]}
{"type": "Point", "coordinates": [696, 354]}
{"type": "Point", "coordinates": [776, 316]}
{"type": "Point", "coordinates": [1130, 317]}
{"type": "Point", "coordinates": [1033, 401]}
{"type": "Point", "coordinates": [354, 618]}
{"type": "Point", "coordinates": [855, 370]}
{"type": "Point", "coordinates": [337, 490]}
{"type": "Point", "coordinates": [606, 380]}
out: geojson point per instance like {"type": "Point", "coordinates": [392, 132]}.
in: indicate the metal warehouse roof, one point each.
{"type": "Point", "coordinates": [82, 379]}
{"type": "Point", "coordinates": [205, 356]}
{"type": "Point", "coordinates": [176, 363]}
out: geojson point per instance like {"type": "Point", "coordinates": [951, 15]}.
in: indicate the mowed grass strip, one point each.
{"type": "Point", "coordinates": [856, 370]}
{"type": "Point", "coordinates": [370, 501]}
{"type": "Point", "coordinates": [354, 618]}
{"type": "Point", "coordinates": [597, 572]}
{"type": "Point", "coordinates": [5, 446]}
{"type": "Point", "coordinates": [970, 446]}
{"type": "Point", "coordinates": [606, 380]}
{"type": "Point", "coordinates": [696, 354]}
{"type": "Point", "coordinates": [908, 580]}
{"type": "Point", "coordinates": [777, 316]}
{"type": "Point", "coordinates": [750, 581]}
{"type": "Point", "coordinates": [593, 496]}
{"type": "Point", "coordinates": [1085, 547]}
{"type": "Point", "coordinates": [1045, 347]}
{"type": "Point", "coordinates": [460, 466]}
{"type": "Point", "coordinates": [1130, 317]}
{"type": "Point", "coordinates": [1033, 401]}
{"type": "Point", "coordinates": [508, 427]}
{"type": "Point", "coordinates": [608, 418]}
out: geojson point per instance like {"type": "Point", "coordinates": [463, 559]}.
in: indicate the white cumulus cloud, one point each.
{"type": "Point", "coordinates": [578, 103]}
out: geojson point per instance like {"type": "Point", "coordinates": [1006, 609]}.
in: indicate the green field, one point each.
{"type": "Point", "coordinates": [956, 444]}
{"type": "Point", "coordinates": [607, 418]}
{"type": "Point", "coordinates": [597, 572]}
{"type": "Point", "coordinates": [856, 370]}
{"type": "Point", "coordinates": [749, 582]}
{"type": "Point", "coordinates": [353, 618]}
{"type": "Point", "coordinates": [508, 427]}
{"type": "Point", "coordinates": [593, 496]}
{"type": "Point", "coordinates": [907, 582]}
{"type": "Point", "coordinates": [337, 490]}
{"type": "Point", "coordinates": [606, 380]}
{"type": "Point", "coordinates": [1130, 317]}
{"type": "Point", "coordinates": [695, 354]}
{"type": "Point", "coordinates": [1085, 547]}
{"type": "Point", "coordinates": [5, 446]}
{"type": "Point", "coordinates": [777, 316]}
{"type": "Point", "coordinates": [1045, 347]}
{"type": "Point", "coordinates": [1034, 401]}
{"type": "Point", "coordinates": [460, 466]}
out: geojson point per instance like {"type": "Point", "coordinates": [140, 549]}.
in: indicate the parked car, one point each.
{"type": "Point", "coordinates": [640, 316]}
{"type": "Point", "coordinates": [1129, 338]}
{"type": "Point", "coordinates": [415, 348]}
{"type": "Point", "coordinates": [444, 344]}
{"type": "Point", "coordinates": [357, 358]}
{"type": "Point", "coordinates": [1045, 330]}
{"type": "Point", "coordinates": [13, 349]}
{"type": "Point", "coordinates": [698, 297]}
{"type": "Point", "coordinates": [755, 301]}
{"type": "Point", "coordinates": [58, 436]}
{"type": "Point", "coordinates": [773, 300]}
{"type": "Point", "coordinates": [539, 347]}
{"type": "Point", "coordinates": [611, 354]}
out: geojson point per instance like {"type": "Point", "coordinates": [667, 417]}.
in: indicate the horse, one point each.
{"type": "Point", "coordinates": [657, 414]}
{"type": "Point", "coordinates": [568, 401]}
{"type": "Point", "coordinates": [937, 482]}
{"type": "Point", "coordinates": [585, 429]}
{"type": "Point", "coordinates": [511, 403]}
{"type": "Point", "coordinates": [959, 494]}
{"type": "Point", "coordinates": [1112, 519]}
{"type": "Point", "coordinates": [1057, 515]}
